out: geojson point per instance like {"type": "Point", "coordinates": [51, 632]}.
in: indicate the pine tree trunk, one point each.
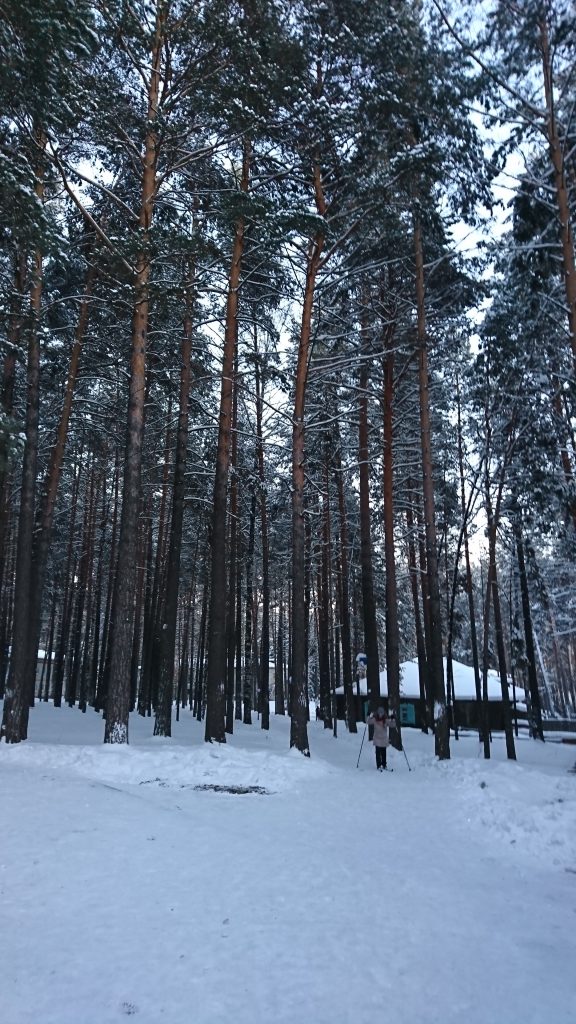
{"type": "Point", "coordinates": [67, 600]}
{"type": "Point", "coordinates": [265, 630]}
{"type": "Point", "coordinates": [298, 624]}
{"type": "Point", "coordinates": [148, 696]}
{"type": "Point", "coordinates": [327, 584]}
{"type": "Point", "coordinates": [105, 652]}
{"type": "Point", "coordinates": [435, 663]}
{"type": "Point", "coordinates": [418, 627]}
{"type": "Point", "coordinates": [565, 460]}
{"type": "Point", "coordinates": [238, 645]}
{"type": "Point", "coordinates": [492, 511]}
{"type": "Point", "coordinates": [216, 678]}
{"type": "Point", "coordinates": [81, 577]}
{"type": "Point", "coordinates": [469, 584]}
{"type": "Point", "coordinates": [184, 696]}
{"type": "Point", "coordinates": [498, 629]}
{"type": "Point", "coordinates": [335, 619]}
{"type": "Point", "coordinates": [17, 696]}
{"type": "Point", "coordinates": [137, 640]}
{"type": "Point", "coordinates": [562, 670]}
{"type": "Point", "coordinates": [368, 601]}
{"type": "Point", "coordinates": [345, 599]}
{"type": "Point", "coordinates": [6, 589]}
{"type": "Point", "coordinates": [6, 620]}
{"type": "Point", "coordinates": [234, 563]}
{"type": "Point", "coordinates": [558, 157]}
{"type": "Point", "coordinates": [323, 621]}
{"type": "Point", "coordinates": [255, 640]}
{"type": "Point", "coordinates": [392, 630]}
{"type": "Point", "coordinates": [118, 699]}
{"type": "Point", "coordinates": [201, 654]}
{"type": "Point", "coordinates": [163, 721]}
{"type": "Point", "coordinates": [486, 734]}
{"type": "Point", "coordinates": [43, 532]}
{"type": "Point", "coordinates": [249, 625]}
{"type": "Point", "coordinates": [97, 638]}
{"type": "Point", "coordinates": [536, 727]}
{"type": "Point", "coordinates": [7, 400]}
{"type": "Point", "coordinates": [279, 705]}
{"type": "Point", "coordinates": [84, 695]}
{"type": "Point", "coordinates": [50, 642]}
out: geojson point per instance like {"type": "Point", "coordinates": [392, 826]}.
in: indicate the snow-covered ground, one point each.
{"type": "Point", "coordinates": [339, 896]}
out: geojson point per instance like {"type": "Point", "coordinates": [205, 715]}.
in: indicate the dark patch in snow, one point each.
{"type": "Point", "coordinates": [212, 787]}
{"type": "Point", "coordinates": [129, 1009]}
{"type": "Point", "coordinates": [232, 789]}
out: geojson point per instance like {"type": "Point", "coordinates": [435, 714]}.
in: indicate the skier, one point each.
{"type": "Point", "coordinates": [381, 722]}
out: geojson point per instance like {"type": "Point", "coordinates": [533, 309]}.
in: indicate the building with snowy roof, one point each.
{"type": "Point", "coordinates": [465, 709]}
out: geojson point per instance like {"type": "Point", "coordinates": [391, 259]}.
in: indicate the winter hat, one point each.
{"type": "Point", "coordinates": [380, 711]}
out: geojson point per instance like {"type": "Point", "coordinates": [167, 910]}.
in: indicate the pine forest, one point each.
{"type": "Point", "coordinates": [287, 511]}
{"type": "Point", "coordinates": [288, 323]}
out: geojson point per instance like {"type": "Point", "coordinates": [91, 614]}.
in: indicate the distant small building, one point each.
{"type": "Point", "coordinates": [464, 713]}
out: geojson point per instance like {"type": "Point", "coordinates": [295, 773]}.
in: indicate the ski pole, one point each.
{"type": "Point", "coordinates": [407, 761]}
{"type": "Point", "coordinates": [361, 745]}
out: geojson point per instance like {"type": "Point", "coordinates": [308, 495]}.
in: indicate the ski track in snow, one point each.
{"type": "Point", "coordinates": [444, 895]}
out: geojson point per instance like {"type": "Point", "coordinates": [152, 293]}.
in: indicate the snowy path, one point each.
{"type": "Point", "coordinates": [343, 897]}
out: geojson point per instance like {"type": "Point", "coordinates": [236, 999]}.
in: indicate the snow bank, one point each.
{"type": "Point", "coordinates": [521, 812]}
{"type": "Point", "coordinates": [169, 765]}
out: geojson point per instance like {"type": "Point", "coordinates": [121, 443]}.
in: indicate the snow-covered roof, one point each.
{"type": "Point", "coordinates": [464, 685]}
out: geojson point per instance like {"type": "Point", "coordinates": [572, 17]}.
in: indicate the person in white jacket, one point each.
{"type": "Point", "coordinates": [381, 722]}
